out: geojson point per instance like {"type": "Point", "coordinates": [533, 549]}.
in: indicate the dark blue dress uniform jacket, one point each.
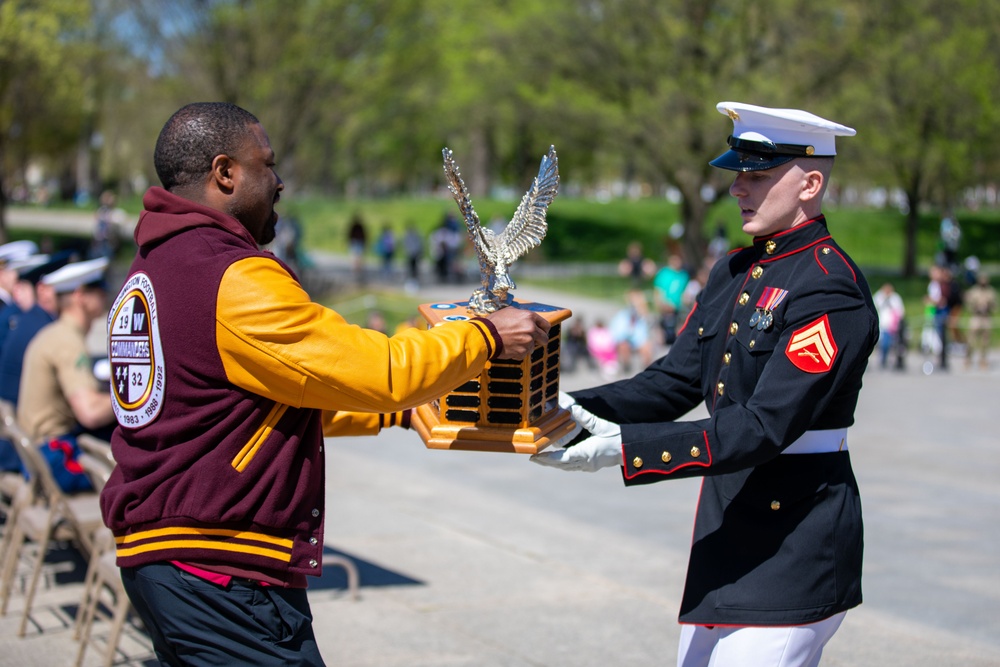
{"type": "Point", "coordinates": [777, 537]}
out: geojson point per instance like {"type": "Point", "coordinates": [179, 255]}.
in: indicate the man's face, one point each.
{"type": "Point", "coordinates": [258, 187]}
{"type": "Point", "coordinates": [94, 301]}
{"type": "Point", "coordinates": [770, 199]}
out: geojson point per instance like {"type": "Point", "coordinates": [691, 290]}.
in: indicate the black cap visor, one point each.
{"type": "Point", "coordinates": [740, 161]}
{"type": "Point", "coordinates": [746, 155]}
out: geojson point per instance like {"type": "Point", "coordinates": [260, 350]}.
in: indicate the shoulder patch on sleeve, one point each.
{"type": "Point", "coordinates": [812, 348]}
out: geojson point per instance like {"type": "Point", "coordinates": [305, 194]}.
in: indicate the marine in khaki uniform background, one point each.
{"type": "Point", "coordinates": [59, 394]}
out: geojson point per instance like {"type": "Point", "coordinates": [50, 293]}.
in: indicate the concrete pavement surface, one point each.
{"type": "Point", "coordinates": [475, 559]}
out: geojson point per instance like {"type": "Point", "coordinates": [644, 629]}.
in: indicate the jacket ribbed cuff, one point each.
{"type": "Point", "coordinates": [494, 343]}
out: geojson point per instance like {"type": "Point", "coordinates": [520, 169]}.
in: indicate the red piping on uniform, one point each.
{"type": "Point", "coordinates": [843, 259]}
{"type": "Point", "coordinates": [669, 472]}
{"type": "Point", "coordinates": [688, 318]}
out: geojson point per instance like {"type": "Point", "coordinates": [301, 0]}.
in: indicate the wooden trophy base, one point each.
{"type": "Point", "coordinates": [513, 406]}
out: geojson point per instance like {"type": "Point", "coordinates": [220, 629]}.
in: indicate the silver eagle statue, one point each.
{"type": "Point", "coordinates": [497, 252]}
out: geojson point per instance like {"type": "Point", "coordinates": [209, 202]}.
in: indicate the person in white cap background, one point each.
{"type": "Point", "coordinates": [776, 346]}
{"type": "Point", "coordinates": [11, 253]}
{"type": "Point", "coordinates": [59, 396]}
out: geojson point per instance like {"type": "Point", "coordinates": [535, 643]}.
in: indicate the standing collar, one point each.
{"type": "Point", "coordinates": [792, 240]}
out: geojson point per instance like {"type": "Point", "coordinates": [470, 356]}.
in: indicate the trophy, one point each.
{"type": "Point", "coordinates": [513, 405]}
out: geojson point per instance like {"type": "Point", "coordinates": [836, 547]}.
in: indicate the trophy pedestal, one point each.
{"type": "Point", "coordinates": [513, 406]}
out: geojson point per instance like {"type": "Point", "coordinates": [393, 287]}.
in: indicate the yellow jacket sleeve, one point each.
{"type": "Point", "coordinates": [275, 342]}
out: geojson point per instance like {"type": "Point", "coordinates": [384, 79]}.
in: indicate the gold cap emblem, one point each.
{"type": "Point", "coordinates": [732, 114]}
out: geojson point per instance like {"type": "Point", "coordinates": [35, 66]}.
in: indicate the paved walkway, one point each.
{"type": "Point", "coordinates": [486, 560]}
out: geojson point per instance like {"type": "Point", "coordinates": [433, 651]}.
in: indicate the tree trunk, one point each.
{"type": "Point", "coordinates": [912, 227]}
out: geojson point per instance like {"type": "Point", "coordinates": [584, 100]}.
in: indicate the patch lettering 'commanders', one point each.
{"type": "Point", "coordinates": [137, 368]}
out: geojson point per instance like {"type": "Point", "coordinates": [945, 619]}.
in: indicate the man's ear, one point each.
{"type": "Point", "coordinates": [224, 173]}
{"type": "Point", "coordinates": [812, 185]}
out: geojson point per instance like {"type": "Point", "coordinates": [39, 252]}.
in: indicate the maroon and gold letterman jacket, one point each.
{"type": "Point", "coordinates": [776, 347]}
{"type": "Point", "coordinates": [225, 379]}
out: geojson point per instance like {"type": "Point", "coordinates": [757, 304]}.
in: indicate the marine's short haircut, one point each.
{"type": "Point", "coordinates": [194, 136]}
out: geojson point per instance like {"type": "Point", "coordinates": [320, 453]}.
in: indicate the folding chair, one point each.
{"type": "Point", "coordinates": [54, 516]}
{"type": "Point", "coordinates": [103, 578]}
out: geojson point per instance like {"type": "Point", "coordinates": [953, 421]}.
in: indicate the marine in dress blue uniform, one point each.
{"type": "Point", "coordinates": [776, 347]}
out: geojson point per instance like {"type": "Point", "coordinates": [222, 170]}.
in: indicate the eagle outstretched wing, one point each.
{"type": "Point", "coordinates": [527, 228]}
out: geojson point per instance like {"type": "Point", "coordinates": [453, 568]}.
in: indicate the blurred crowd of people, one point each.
{"type": "Point", "coordinates": [655, 306]}
{"type": "Point", "coordinates": [958, 309]}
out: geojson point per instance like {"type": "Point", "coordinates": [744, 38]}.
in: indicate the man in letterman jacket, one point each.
{"type": "Point", "coordinates": [776, 346]}
{"type": "Point", "coordinates": [225, 380]}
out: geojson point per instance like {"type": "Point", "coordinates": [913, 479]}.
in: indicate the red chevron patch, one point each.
{"type": "Point", "coordinates": [812, 348]}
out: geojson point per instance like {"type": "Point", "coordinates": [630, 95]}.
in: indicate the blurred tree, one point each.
{"type": "Point", "coordinates": [41, 86]}
{"type": "Point", "coordinates": [657, 67]}
{"type": "Point", "coordinates": [927, 93]}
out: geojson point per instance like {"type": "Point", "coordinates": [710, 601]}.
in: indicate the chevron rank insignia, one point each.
{"type": "Point", "coordinates": [812, 348]}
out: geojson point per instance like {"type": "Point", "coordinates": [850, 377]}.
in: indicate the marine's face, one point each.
{"type": "Point", "coordinates": [770, 199]}
{"type": "Point", "coordinates": [258, 187]}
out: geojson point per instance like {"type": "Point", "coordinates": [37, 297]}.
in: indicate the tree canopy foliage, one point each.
{"type": "Point", "coordinates": [359, 96]}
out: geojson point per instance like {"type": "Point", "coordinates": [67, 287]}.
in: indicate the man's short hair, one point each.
{"type": "Point", "coordinates": [194, 136]}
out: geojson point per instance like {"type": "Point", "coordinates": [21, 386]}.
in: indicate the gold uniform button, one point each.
{"type": "Point", "coordinates": [757, 272]}
{"type": "Point", "coordinates": [665, 456]}
{"type": "Point", "coordinates": [701, 330]}
{"type": "Point", "coordinates": [775, 505]}
{"type": "Point", "coordinates": [721, 387]}
{"type": "Point", "coordinates": [726, 358]}
{"type": "Point", "coordinates": [637, 462]}
{"type": "Point", "coordinates": [744, 298]}
{"type": "Point", "coordinates": [733, 328]}
{"type": "Point", "coordinates": [825, 251]}
{"type": "Point", "coordinates": [770, 247]}
{"type": "Point", "coordinates": [695, 452]}
{"type": "Point", "coordinates": [752, 343]}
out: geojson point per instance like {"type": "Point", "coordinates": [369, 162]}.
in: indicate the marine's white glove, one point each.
{"type": "Point", "coordinates": [602, 449]}
{"type": "Point", "coordinates": [566, 402]}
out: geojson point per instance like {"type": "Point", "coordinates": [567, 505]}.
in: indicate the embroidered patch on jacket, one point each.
{"type": "Point", "coordinates": [812, 348]}
{"type": "Point", "coordinates": [137, 368]}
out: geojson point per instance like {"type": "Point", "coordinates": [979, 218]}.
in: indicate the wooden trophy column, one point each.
{"type": "Point", "coordinates": [512, 407]}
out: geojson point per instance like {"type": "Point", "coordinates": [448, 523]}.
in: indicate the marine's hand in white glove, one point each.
{"type": "Point", "coordinates": [602, 449]}
{"type": "Point", "coordinates": [566, 402]}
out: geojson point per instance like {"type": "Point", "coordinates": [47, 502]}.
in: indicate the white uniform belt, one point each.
{"type": "Point", "coordinates": [816, 442]}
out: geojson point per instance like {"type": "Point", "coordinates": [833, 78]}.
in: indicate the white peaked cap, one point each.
{"type": "Point", "coordinates": [763, 137]}
{"type": "Point", "coordinates": [17, 250]}
{"type": "Point", "coordinates": [77, 274]}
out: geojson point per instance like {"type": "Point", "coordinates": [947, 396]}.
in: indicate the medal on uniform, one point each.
{"type": "Point", "coordinates": [763, 318]}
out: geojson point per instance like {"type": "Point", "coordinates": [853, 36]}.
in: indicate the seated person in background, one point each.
{"type": "Point", "coordinates": [59, 396]}
{"type": "Point", "coordinates": [19, 322]}
{"type": "Point", "coordinates": [630, 331]}
{"type": "Point", "coordinates": [37, 306]}
{"type": "Point", "coordinates": [601, 347]}
{"type": "Point", "coordinates": [668, 291]}
{"type": "Point", "coordinates": [11, 252]}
